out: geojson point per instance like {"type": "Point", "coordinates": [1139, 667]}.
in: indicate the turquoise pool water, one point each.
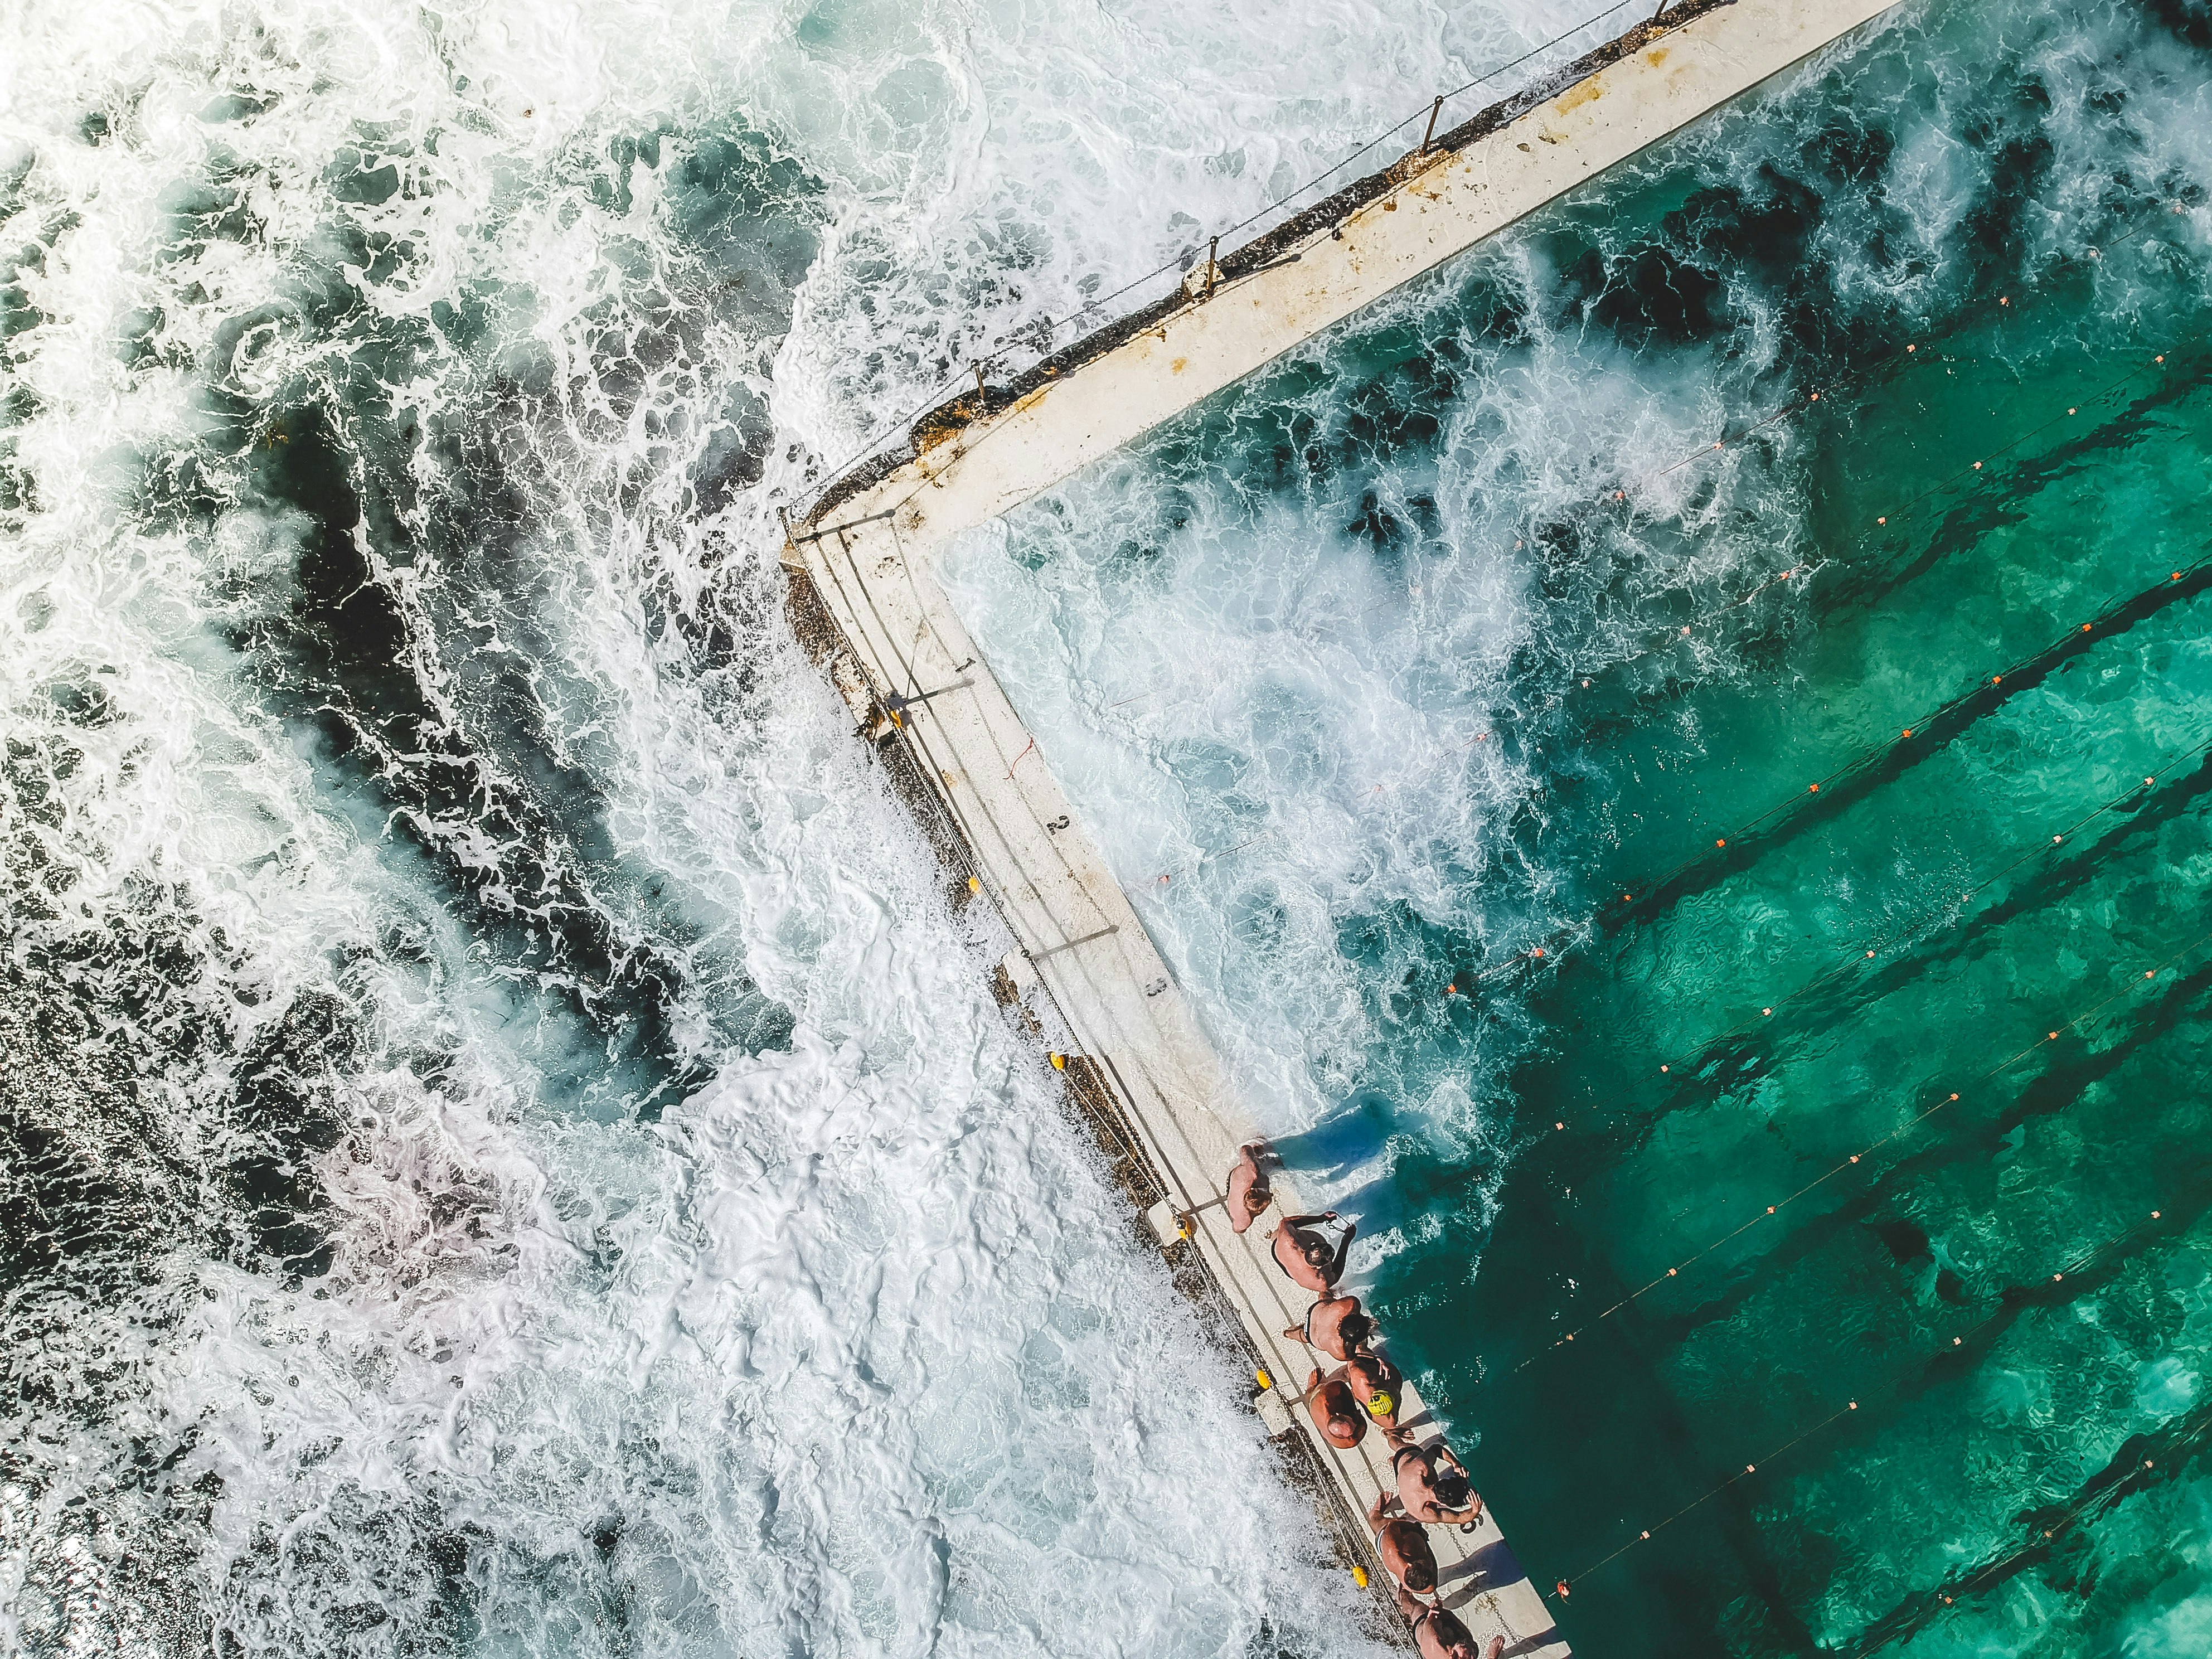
{"type": "Point", "coordinates": [1858, 440]}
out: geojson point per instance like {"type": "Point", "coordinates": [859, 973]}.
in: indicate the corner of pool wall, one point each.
{"type": "Point", "coordinates": [1083, 977]}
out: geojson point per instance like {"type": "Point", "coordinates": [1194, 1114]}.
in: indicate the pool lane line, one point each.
{"type": "Point", "coordinates": [2182, 1001]}
{"type": "Point", "coordinates": [1917, 1165]}
{"type": "Point", "coordinates": [1895, 355]}
{"type": "Point", "coordinates": [2080, 1261]}
{"type": "Point", "coordinates": [1657, 895]}
{"type": "Point", "coordinates": [1930, 928]}
{"type": "Point", "coordinates": [1849, 780]}
{"type": "Point", "coordinates": [1709, 618]}
{"type": "Point", "coordinates": [2025, 673]}
{"type": "Point", "coordinates": [2124, 1475]}
{"type": "Point", "coordinates": [1210, 857]}
{"type": "Point", "coordinates": [1678, 632]}
{"type": "Point", "coordinates": [1705, 1057]}
{"type": "Point", "coordinates": [1857, 954]}
{"type": "Point", "coordinates": [2052, 1036]}
{"type": "Point", "coordinates": [1675, 633]}
{"type": "Point", "coordinates": [1954, 948]}
{"type": "Point", "coordinates": [1806, 570]}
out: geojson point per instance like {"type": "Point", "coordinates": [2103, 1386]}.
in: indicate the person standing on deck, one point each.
{"type": "Point", "coordinates": [1426, 1484]}
{"type": "Point", "coordinates": [1335, 1412]}
{"type": "Point", "coordinates": [1250, 1195]}
{"type": "Point", "coordinates": [1378, 1386]}
{"type": "Point", "coordinates": [1403, 1546]}
{"type": "Point", "coordinates": [1453, 1487]}
{"type": "Point", "coordinates": [1438, 1634]}
{"type": "Point", "coordinates": [1334, 1325]}
{"type": "Point", "coordinates": [1305, 1255]}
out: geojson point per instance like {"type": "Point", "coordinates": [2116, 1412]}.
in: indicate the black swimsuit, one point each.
{"type": "Point", "coordinates": [1295, 1233]}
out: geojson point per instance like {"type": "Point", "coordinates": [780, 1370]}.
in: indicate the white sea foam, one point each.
{"type": "Point", "coordinates": [850, 1351]}
{"type": "Point", "coordinates": [1285, 735]}
{"type": "Point", "coordinates": [847, 1352]}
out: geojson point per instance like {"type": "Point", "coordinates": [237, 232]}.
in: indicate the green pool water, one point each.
{"type": "Point", "coordinates": [1455, 638]}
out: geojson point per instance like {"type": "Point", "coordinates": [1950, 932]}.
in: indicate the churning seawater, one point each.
{"type": "Point", "coordinates": [504, 1146]}
{"type": "Point", "coordinates": [1675, 753]}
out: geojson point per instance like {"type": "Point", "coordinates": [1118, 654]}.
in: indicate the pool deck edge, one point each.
{"type": "Point", "coordinates": [916, 675]}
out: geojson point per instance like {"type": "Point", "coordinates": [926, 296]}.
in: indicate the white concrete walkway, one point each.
{"type": "Point", "coordinates": [872, 560]}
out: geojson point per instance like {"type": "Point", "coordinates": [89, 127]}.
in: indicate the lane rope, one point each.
{"type": "Point", "coordinates": [2080, 1260]}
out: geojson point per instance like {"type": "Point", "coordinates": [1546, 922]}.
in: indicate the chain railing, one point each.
{"type": "Point", "coordinates": [958, 406]}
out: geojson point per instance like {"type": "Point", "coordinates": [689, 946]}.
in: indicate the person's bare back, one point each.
{"type": "Point", "coordinates": [1305, 1255]}
{"type": "Point", "coordinates": [1416, 1473]}
{"type": "Point", "coordinates": [1250, 1195]}
{"type": "Point", "coordinates": [1335, 1326]}
{"type": "Point", "coordinates": [1335, 1412]}
{"type": "Point", "coordinates": [1439, 1633]}
{"type": "Point", "coordinates": [1403, 1545]}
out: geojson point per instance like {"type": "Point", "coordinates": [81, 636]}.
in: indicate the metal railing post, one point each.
{"type": "Point", "coordinates": [1433, 110]}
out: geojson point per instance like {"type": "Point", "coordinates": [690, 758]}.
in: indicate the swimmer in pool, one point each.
{"type": "Point", "coordinates": [1438, 1634]}
{"type": "Point", "coordinates": [1404, 1547]}
{"type": "Point", "coordinates": [1334, 1325]}
{"type": "Point", "coordinates": [1248, 1192]}
{"type": "Point", "coordinates": [1305, 1255]}
{"type": "Point", "coordinates": [1335, 1412]}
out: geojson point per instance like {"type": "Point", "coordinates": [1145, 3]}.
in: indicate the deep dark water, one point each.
{"type": "Point", "coordinates": [422, 658]}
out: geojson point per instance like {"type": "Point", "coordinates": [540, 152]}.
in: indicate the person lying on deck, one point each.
{"type": "Point", "coordinates": [1248, 1192]}
{"type": "Point", "coordinates": [1404, 1547]}
{"type": "Point", "coordinates": [1426, 1483]}
{"type": "Point", "coordinates": [1305, 1255]}
{"type": "Point", "coordinates": [1438, 1634]}
{"type": "Point", "coordinates": [1335, 1412]}
{"type": "Point", "coordinates": [1378, 1386]}
{"type": "Point", "coordinates": [1334, 1325]}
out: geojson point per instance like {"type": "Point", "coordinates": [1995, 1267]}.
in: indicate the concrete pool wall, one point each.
{"type": "Point", "coordinates": [863, 562]}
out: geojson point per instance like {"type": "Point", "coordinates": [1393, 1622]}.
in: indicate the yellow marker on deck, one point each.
{"type": "Point", "coordinates": [1359, 1575]}
{"type": "Point", "coordinates": [1059, 1062]}
{"type": "Point", "coordinates": [1265, 1381]}
{"type": "Point", "coordinates": [974, 885]}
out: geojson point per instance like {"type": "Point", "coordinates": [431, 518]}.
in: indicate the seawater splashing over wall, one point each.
{"type": "Point", "coordinates": [1312, 661]}
{"type": "Point", "coordinates": [506, 1148]}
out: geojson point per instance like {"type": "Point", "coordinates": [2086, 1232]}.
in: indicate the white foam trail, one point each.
{"type": "Point", "coordinates": [851, 1351]}
{"type": "Point", "coordinates": [1219, 669]}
